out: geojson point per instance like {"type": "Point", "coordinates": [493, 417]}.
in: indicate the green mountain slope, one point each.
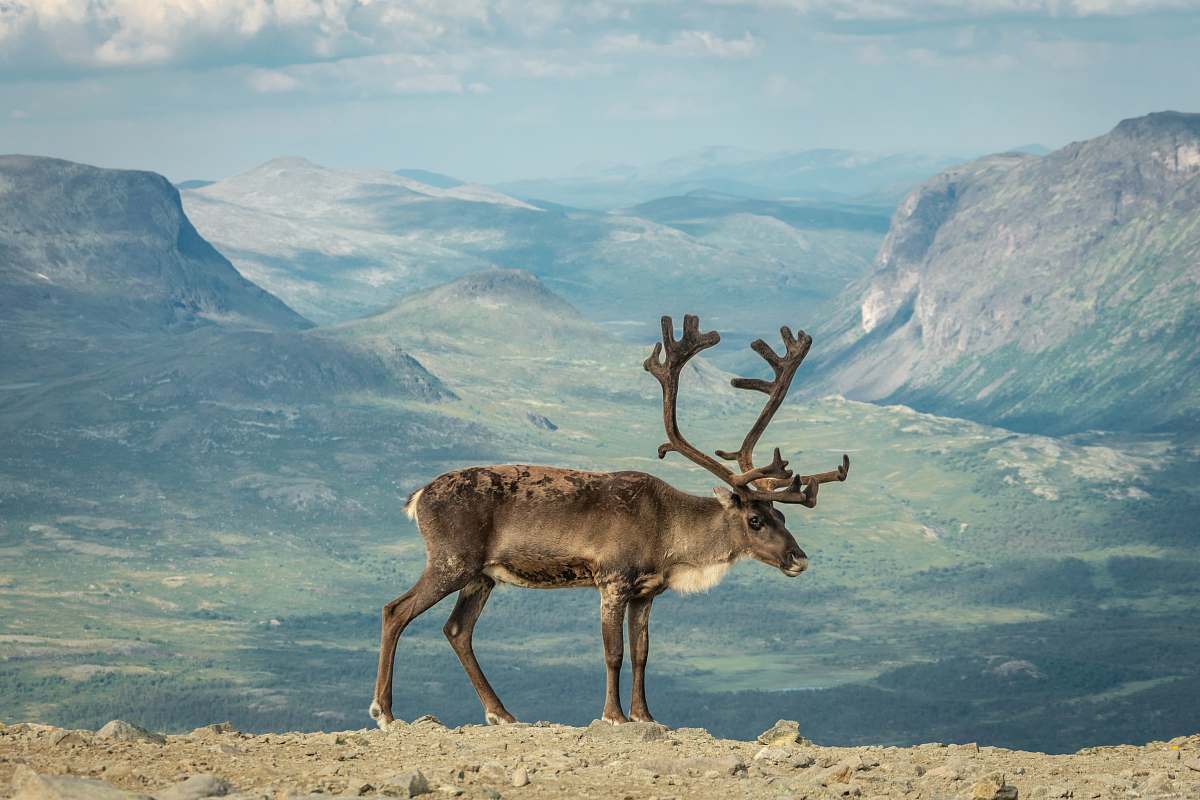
{"type": "Point", "coordinates": [1055, 293]}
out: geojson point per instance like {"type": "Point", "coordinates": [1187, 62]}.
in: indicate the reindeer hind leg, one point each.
{"type": "Point", "coordinates": [431, 588]}
{"type": "Point", "coordinates": [459, 630]}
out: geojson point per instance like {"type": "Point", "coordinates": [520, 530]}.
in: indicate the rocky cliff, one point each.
{"type": "Point", "coordinates": [112, 251]}
{"type": "Point", "coordinates": [1055, 293]}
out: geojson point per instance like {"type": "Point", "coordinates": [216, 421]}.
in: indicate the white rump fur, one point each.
{"type": "Point", "coordinates": [410, 508]}
{"type": "Point", "coordinates": [687, 580]}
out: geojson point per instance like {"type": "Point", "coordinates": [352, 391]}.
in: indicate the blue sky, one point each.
{"type": "Point", "coordinates": [495, 90]}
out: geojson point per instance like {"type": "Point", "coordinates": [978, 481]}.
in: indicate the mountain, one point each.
{"type": "Point", "coordinates": [85, 250]}
{"type": "Point", "coordinates": [503, 335]}
{"type": "Point", "coordinates": [813, 175]}
{"type": "Point", "coordinates": [1055, 293]}
{"type": "Point", "coordinates": [1033, 149]}
{"type": "Point", "coordinates": [107, 291]}
{"type": "Point", "coordinates": [339, 245]}
{"type": "Point", "coordinates": [430, 178]}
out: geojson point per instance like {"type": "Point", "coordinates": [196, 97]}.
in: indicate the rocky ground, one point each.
{"type": "Point", "coordinates": [633, 761]}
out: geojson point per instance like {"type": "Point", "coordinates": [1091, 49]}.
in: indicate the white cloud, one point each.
{"type": "Point", "coordinates": [372, 76]}
{"type": "Point", "coordinates": [97, 34]}
{"type": "Point", "coordinates": [958, 9]}
{"type": "Point", "coordinates": [684, 43]}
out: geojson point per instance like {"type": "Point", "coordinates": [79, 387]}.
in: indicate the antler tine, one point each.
{"type": "Point", "coordinates": [674, 355]}
{"type": "Point", "coordinates": [784, 366]}
{"type": "Point", "coordinates": [838, 474]}
{"type": "Point", "coordinates": [776, 470]}
{"type": "Point", "coordinates": [799, 489]}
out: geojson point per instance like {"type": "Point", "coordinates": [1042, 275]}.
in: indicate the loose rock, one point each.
{"type": "Point", "coordinates": [783, 732]}
{"type": "Point", "coordinates": [28, 785]}
{"type": "Point", "coordinates": [216, 729]}
{"type": "Point", "coordinates": [195, 788]}
{"type": "Point", "coordinates": [121, 731]}
{"type": "Point", "coordinates": [629, 731]}
{"type": "Point", "coordinates": [560, 762]}
{"type": "Point", "coordinates": [993, 787]}
{"type": "Point", "coordinates": [406, 784]}
{"type": "Point", "coordinates": [520, 777]}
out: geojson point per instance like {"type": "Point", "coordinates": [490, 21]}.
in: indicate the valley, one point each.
{"type": "Point", "coordinates": [204, 522]}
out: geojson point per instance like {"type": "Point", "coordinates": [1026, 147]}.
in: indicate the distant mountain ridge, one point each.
{"type": "Point", "coordinates": [1054, 293]}
{"type": "Point", "coordinates": [820, 174]}
{"type": "Point", "coordinates": [341, 244]}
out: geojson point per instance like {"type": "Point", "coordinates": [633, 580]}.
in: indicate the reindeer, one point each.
{"type": "Point", "coordinates": [629, 535]}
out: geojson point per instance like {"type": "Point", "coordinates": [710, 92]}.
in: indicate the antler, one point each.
{"type": "Point", "coordinates": [780, 488]}
{"type": "Point", "coordinates": [773, 482]}
{"type": "Point", "coordinates": [667, 371]}
{"type": "Point", "coordinates": [785, 366]}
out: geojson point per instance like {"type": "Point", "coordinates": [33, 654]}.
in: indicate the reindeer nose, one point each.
{"type": "Point", "coordinates": [796, 564]}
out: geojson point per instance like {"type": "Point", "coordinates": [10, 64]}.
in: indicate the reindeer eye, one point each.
{"type": "Point", "coordinates": [755, 523]}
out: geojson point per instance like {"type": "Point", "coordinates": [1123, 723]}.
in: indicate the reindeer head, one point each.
{"type": "Point", "coordinates": [752, 493]}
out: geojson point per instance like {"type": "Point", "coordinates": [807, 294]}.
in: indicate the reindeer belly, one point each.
{"type": "Point", "coordinates": [549, 574]}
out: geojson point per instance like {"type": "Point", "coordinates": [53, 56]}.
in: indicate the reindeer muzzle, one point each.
{"type": "Point", "coordinates": [794, 566]}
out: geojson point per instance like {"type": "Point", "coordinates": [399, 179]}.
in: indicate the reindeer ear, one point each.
{"type": "Point", "coordinates": [728, 499]}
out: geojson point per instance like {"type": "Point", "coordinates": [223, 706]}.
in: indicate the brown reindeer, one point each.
{"type": "Point", "coordinates": [628, 534]}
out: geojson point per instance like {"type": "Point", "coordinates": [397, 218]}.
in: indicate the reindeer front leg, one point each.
{"type": "Point", "coordinates": [613, 601]}
{"type": "Point", "coordinates": [639, 647]}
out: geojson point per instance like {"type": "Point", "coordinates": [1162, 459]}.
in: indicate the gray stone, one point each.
{"type": "Point", "coordinates": [628, 731]}
{"type": "Point", "coordinates": [196, 787]}
{"type": "Point", "coordinates": [946, 773]}
{"type": "Point", "coordinates": [122, 731]}
{"type": "Point", "coordinates": [428, 719]}
{"type": "Point", "coordinates": [28, 785]}
{"type": "Point", "coordinates": [70, 738]}
{"type": "Point", "coordinates": [993, 787]}
{"type": "Point", "coordinates": [520, 777]}
{"type": "Point", "coordinates": [216, 729]}
{"type": "Point", "coordinates": [407, 784]}
{"type": "Point", "coordinates": [724, 765]}
{"type": "Point", "coordinates": [783, 732]}
{"type": "Point", "coordinates": [772, 754]}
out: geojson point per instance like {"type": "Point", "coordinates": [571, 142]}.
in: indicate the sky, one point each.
{"type": "Point", "coordinates": [494, 90]}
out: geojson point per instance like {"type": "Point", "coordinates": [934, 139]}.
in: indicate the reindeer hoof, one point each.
{"type": "Point", "coordinates": [381, 719]}
{"type": "Point", "coordinates": [614, 719]}
{"type": "Point", "coordinates": [503, 718]}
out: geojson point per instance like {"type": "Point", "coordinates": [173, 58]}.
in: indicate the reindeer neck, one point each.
{"type": "Point", "coordinates": [697, 533]}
